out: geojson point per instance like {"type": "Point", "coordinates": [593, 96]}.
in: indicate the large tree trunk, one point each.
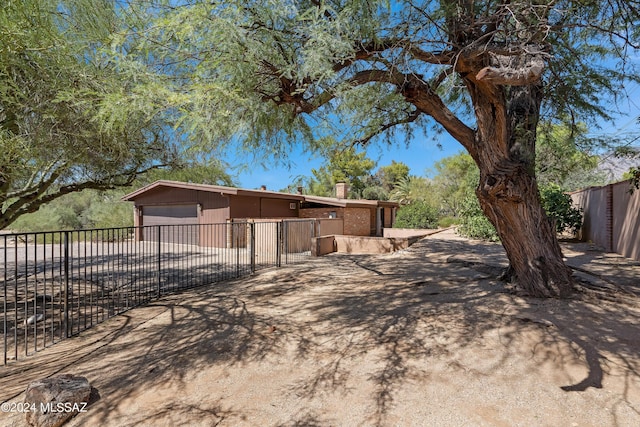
{"type": "Point", "coordinates": [504, 151]}
{"type": "Point", "coordinates": [509, 198]}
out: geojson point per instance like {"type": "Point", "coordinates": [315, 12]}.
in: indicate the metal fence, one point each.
{"type": "Point", "coordinates": [57, 284]}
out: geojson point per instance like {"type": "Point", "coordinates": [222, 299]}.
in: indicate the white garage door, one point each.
{"type": "Point", "coordinates": [180, 223]}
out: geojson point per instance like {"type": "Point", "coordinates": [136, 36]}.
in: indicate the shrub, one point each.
{"type": "Point", "coordinates": [417, 214]}
{"type": "Point", "coordinates": [448, 221]}
{"type": "Point", "coordinates": [559, 208]}
{"type": "Point", "coordinates": [473, 222]}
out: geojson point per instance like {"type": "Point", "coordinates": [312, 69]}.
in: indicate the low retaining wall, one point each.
{"type": "Point", "coordinates": [359, 245]}
{"type": "Point", "coordinates": [323, 245]}
{"type": "Point", "coordinates": [406, 232]}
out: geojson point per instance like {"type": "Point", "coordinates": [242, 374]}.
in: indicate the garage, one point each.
{"type": "Point", "coordinates": [181, 215]}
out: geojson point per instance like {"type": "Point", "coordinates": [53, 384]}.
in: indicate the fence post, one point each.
{"type": "Point", "coordinates": [278, 239]}
{"type": "Point", "coordinates": [252, 242]}
{"type": "Point", "coordinates": [236, 234]}
{"type": "Point", "coordinates": [159, 255]}
{"type": "Point", "coordinates": [4, 303]}
{"type": "Point", "coordinates": [67, 333]}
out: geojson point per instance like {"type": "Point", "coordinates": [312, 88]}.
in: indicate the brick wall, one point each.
{"type": "Point", "coordinates": [321, 212]}
{"type": "Point", "coordinates": [357, 221]}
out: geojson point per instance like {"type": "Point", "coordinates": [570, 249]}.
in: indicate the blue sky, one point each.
{"type": "Point", "coordinates": [420, 155]}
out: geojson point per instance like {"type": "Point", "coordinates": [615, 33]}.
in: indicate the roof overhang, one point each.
{"type": "Point", "coordinates": [232, 191]}
{"type": "Point", "coordinates": [227, 191]}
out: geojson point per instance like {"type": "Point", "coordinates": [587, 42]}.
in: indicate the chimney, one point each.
{"type": "Point", "coordinates": [263, 187]}
{"type": "Point", "coordinates": [300, 190]}
{"type": "Point", "coordinates": [342, 190]}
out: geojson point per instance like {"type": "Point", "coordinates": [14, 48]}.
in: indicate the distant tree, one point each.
{"type": "Point", "coordinates": [55, 135]}
{"type": "Point", "coordinates": [264, 74]}
{"type": "Point", "coordinates": [391, 175]}
{"type": "Point", "coordinates": [474, 223]}
{"type": "Point", "coordinates": [412, 188]}
{"type": "Point", "coordinates": [342, 165]}
{"type": "Point", "coordinates": [104, 209]}
{"type": "Point", "coordinates": [564, 158]}
{"type": "Point", "coordinates": [456, 180]}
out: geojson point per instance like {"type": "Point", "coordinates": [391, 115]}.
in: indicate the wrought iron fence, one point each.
{"type": "Point", "coordinates": [57, 284]}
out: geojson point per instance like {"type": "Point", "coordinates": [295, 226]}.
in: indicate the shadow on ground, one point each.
{"type": "Point", "coordinates": [387, 336]}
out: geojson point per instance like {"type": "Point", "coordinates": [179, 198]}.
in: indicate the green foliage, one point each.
{"type": "Point", "coordinates": [563, 157]}
{"type": "Point", "coordinates": [342, 165]}
{"type": "Point", "coordinates": [391, 175]}
{"type": "Point", "coordinates": [473, 222]}
{"type": "Point", "coordinates": [374, 193]}
{"type": "Point", "coordinates": [60, 129]}
{"type": "Point", "coordinates": [412, 188]}
{"type": "Point", "coordinates": [82, 210]}
{"type": "Point", "coordinates": [448, 221]}
{"type": "Point", "coordinates": [558, 206]}
{"type": "Point", "coordinates": [418, 214]}
{"type": "Point", "coordinates": [456, 179]}
{"type": "Point", "coordinates": [267, 73]}
{"type": "Point", "coordinates": [190, 169]}
{"type": "Point", "coordinates": [633, 175]}
{"type": "Point", "coordinates": [104, 209]}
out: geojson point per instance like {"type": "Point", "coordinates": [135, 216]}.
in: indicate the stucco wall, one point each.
{"type": "Point", "coordinates": [405, 232]}
{"type": "Point", "coordinates": [326, 227]}
{"type": "Point", "coordinates": [359, 244]}
{"type": "Point", "coordinates": [626, 220]}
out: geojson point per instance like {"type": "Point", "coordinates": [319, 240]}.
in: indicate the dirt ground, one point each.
{"type": "Point", "coordinates": [424, 336]}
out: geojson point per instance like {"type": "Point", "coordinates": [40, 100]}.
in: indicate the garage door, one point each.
{"type": "Point", "coordinates": [179, 223]}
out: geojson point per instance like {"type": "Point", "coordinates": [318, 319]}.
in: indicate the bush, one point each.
{"type": "Point", "coordinates": [473, 222]}
{"type": "Point", "coordinates": [417, 214]}
{"type": "Point", "coordinates": [448, 221]}
{"type": "Point", "coordinates": [559, 208]}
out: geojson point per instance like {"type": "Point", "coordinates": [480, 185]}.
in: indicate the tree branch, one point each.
{"type": "Point", "coordinates": [29, 203]}
{"type": "Point", "coordinates": [411, 117]}
{"type": "Point", "coordinates": [513, 70]}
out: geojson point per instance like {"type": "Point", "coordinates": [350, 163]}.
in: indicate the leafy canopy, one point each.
{"type": "Point", "coordinates": [56, 132]}
{"type": "Point", "coordinates": [265, 74]}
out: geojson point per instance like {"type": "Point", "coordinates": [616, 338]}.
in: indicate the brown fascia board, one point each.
{"type": "Point", "coordinates": [348, 203]}
{"type": "Point", "coordinates": [269, 194]}
{"type": "Point", "coordinates": [211, 189]}
{"type": "Point", "coordinates": [184, 185]}
{"type": "Point", "coordinates": [387, 204]}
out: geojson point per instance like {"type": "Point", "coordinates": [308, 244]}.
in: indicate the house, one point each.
{"type": "Point", "coordinates": [171, 202]}
{"type": "Point", "coordinates": [361, 217]}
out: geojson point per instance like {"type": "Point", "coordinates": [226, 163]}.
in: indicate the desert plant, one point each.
{"type": "Point", "coordinates": [418, 214]}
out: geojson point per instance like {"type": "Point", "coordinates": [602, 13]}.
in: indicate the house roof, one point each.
{"type": "Point", "coordinates": [329, 201]}
{"type": "Point", "coordinates": [348, 203]}
{"type": "Point", "coordinates": [211, 189]}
